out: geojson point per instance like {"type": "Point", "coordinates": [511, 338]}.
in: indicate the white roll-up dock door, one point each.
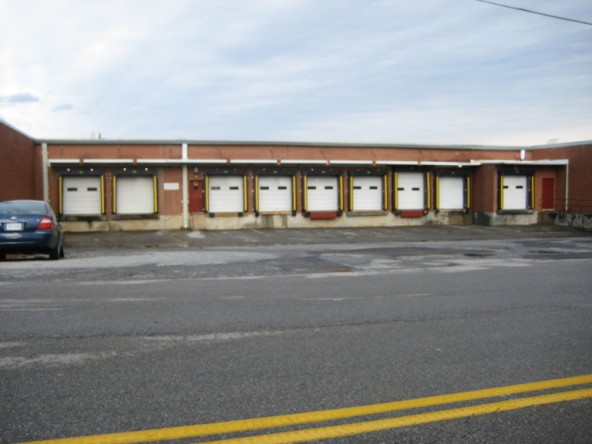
{"type": "Point", "coordinates": [366, 193]}
{"type": "Point", "coordinates": [275, 193]}
{"type": "Point", "coordinates": [225, 194]}
{"type": "Point", "coordinates": [135, 195]}
{"type": "Point", "coordinates": [82, 195]}
{"type": "Point", "coordinates": [322, 193]}
{"type": "Point", "coordinates": [410, 189]}
{"type": "Point", "coordinates": [515, 192]}
{"type": "Point", "coordinates": [451, 193]}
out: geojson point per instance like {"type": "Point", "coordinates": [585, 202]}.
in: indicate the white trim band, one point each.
{"type": "Point", "coordinates": [106, 161]}
{"type": "Point", "coordinates": [351, 162]}
{"type": "Point", "coordinates": [62, 161]}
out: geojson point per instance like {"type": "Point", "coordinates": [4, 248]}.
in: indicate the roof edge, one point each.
{"type": "Point", "coordinates": [561, 145]}
{"type": "Point", "coordinates": [252, 143]}
{"type": "Point", "coordinates": [16, 130]}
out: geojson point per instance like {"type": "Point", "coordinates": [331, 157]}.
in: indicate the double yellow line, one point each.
{"type": "Point", "coordinates": [335, 431]}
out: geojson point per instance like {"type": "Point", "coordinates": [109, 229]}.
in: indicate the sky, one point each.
{"type": "Point", "coordinates": [356, 71]}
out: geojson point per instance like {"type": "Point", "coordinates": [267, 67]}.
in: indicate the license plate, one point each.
{"type": "Point", "coordinates": [13, 226]}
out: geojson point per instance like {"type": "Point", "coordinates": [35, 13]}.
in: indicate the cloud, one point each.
{"type": "Point", "coordinates": [18, 98]}
{"type": "Point", "coordinates": [332, 70]}
{"type": "Point", "coordinates": [64, 107]}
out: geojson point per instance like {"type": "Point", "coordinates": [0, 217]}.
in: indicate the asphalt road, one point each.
{"type": "Point", "coordinates": [113, 340]}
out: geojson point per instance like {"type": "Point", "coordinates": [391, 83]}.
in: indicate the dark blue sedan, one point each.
{"type": "Point", "coordinates": [30, 227]}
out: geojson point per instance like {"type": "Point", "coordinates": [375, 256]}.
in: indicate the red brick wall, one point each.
{"type": "Point", "coordinates": [580, 175]}
{"type": "Point", "coordinates": [295, 152]}
{"type": "Point", "coordinates": [484, 185]}
{"type": "Point", "coordinates": [170, 200]}
{"type": "Point", "coordinates": [484, 189]}
{"type": "Point", "coordinates": [17, 165]}
{"type": "Point", "coordinates": [113, 151]}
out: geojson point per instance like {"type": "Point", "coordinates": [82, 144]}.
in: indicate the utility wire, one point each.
{"type": "Point", "coordinates": [535, 12]}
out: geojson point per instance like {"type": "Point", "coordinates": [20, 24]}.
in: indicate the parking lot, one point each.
{"type": "Point", "coordinates": [245, 237]}
{"type": "Point", "coordinates": [137, 256]}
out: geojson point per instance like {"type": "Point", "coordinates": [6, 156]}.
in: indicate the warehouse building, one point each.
{"type": "Point", "coordinates": [98, 184]}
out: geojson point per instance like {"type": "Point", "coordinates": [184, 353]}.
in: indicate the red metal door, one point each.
{"type": "Point", "coordinates": [548, 195]}
{"type": "Point", "coordinates": [196, 199]}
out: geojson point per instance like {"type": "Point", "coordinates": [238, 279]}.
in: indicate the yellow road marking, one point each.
{"type": "Point", "coordinates": [405, 421]}
{"type": "Point", "coordinates": [243, 425]}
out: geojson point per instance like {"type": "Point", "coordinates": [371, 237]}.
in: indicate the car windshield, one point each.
{"type": "Point", "coordinates": [22, 207]}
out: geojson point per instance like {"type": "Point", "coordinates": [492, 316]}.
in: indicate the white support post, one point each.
{"type": "Point", "coordinates": [185, 192]}
{"type": "Point", "coordinates": [566, 207]}
{"type": "Point", "coordinates": [45, 171]}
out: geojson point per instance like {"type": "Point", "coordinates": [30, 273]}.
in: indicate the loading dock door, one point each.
{"type": "Point", "coordinates": [410, 191]}
{"type": "Point", "coordinates": [548, 194]}
{"type": "Point", "coordinates": [322, 194]}
{"type": "Point", "coordinates": [515, 192]}
{"type": "Point", "coordinates": [81, 195]}
{"type": "Point", "coordinates": [367, 193]}
{"type": "Point", "coordinates": [226, 194]}
{"type": "Point", "coordinates": [196, 204]}
{"type": "Point", "coordinates": [135, 195]}
{"type": "Point", "coordinates": [275, 193]}
{"type": "Point", "coordinates": [451, 193]}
